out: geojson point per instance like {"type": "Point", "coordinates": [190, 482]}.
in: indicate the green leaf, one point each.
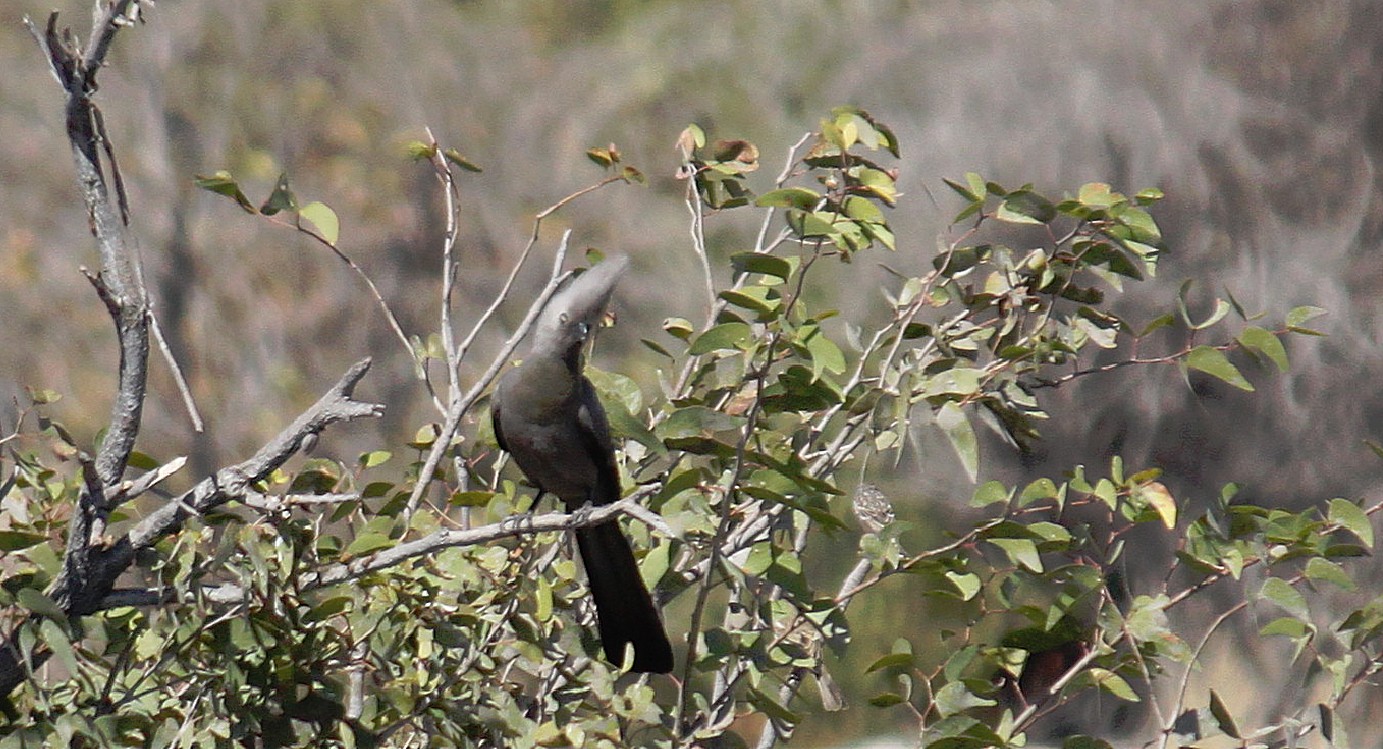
{"type": "Point", "coordinates": [989, 493]}
{"type": "Point", "coordinates": [222, 183]}
{"type": "Point", "coordinates": [1349, 516]}
{"type": "Point", "coordinates": [45, 558]}
{"type": "Point", "coordinates": [723, 337]}
{"type": "Point", "coordinates": [826, 355]}
{"type": "Point", "coordinates": [456, 158]}
{"type": "Point", "coordinates": [1043, 488]}
{"type": "Point", "coordinates": [56, 638]}
{"type": "Point", "coordinates": [1299, 315]}
{"type": "Point", "coordinates": [696, 421]}
{"type": "Point", "coordinates": [657, 347]}
{"type": "Point", "coordinates": [1327, 571]}
{"type": "Point", "coordinates": [790, 197]}
{"type": "Point", "coordinates": [418, 150]}
{"type": "Point", "coordinates": [762, 263]}
{"type": "Point", "coordinates": [960, 189]}
{"type": "Point", "coordinates": [1222, 309]}
{"type": "Point", "coordinates": [955, 698]}
{"type": "Point", "coordinates": [281, 199]}
{"type": "Point", "coordinates": [375, 458]}
{"type": "Point", "coordinates": [16, 540]}
{"type": "Point", "coordinates": [655, 564]}
{"type": "Point", "coordinates": [978, 187]}
{"type": "Point", "coordinates": [365, 544]}
{"type": "Point", "coordinates": [773, 709]}
{"type": "Point", "coordinates": [863, 210]}
{"type": "Point", "coordinates": [812, 224]}
{"type": "Point", "coordinates": [1021, 551]}
{"type": "Point", "coordinates": [692, 137]}
{"type": "Point", "coordinates": [679, 327]}
{"type": "Point", "coordinates": [760, 300]}
{"type": "Point", "coordinates": [1097, 195]}
{"type": "Point", "coordinates": [470, 499]}
{"type": "Point", "coordinates": [1085, 742]}
{"type": "Point", "coordinates": [1213, 362]}
{"type": "Point", "coordinates": [323, 219]}
{"type": "Point", "coordinates": [1112, 683]}
{"type": "Point", "coordinates": [1289, 599]}
{"type": "Point", "coordinates": [616, 389]}
{"type": "Point", "coordinates": [42, 396]}
{"type": "Point", "coordinates": [1223, 718]}
{"type": "Point", "coordinates": [40, 604]}
{"type": "Point", "coordinates": [148, 645]}
{"type": "Point", "coordinates": [1160, 322]}
{"type": "Point", "coordinates": [623, 423]}
{"type": "Point", "coordinates": [1025, 207]}
{"type": "Point", "coordinates": [1147, 620]}
{"type": "Point", "coordinates": [967, 583]}
{"type": "Point", "coordinates": [1257, 339]}
{"type": "Point", "coordinates": [1374, 447]}
{"type": "Point", "coordinates": [892, 660]}
{"type": "Point", "coordinates": [1286, 627]}
{"type": "Point", "coordinates": [887, 699]}
{"type": "Point", "coordinates": [957, 428]}
{"type": "Point", "coordinates": [543, 605]}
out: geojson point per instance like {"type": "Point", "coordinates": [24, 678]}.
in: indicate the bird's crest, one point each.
{"type": "Point", "coordinates": [577, 307]}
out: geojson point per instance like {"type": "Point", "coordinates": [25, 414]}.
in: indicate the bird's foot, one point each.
{"type": "Point", "coordinates": [582, 514]}
{"type": "Point", "coordinates": [518, 522]}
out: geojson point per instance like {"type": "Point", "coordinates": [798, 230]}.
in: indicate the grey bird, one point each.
{"type": "Point", "coordinates": [547, 417]}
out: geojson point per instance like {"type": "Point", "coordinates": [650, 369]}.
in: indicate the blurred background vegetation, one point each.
{"type": "Point", "coordinates": [1260, 120]}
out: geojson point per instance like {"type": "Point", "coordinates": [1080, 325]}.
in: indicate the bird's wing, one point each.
{"type": "Point", "coordinates": [495, 416]}
{"type": "Point", "coordinates": [594, 429]}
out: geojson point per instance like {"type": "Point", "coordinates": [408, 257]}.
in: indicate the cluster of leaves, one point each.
{"type": "Point", "coordinates": [1038, 609]}
{"type": "Point", "coordinates": [318, 215]}
{"type": "Point", "coordinates": [771, 409]}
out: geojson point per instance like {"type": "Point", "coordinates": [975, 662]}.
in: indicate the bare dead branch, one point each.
{"type": "Point", "coordinates": [234, 482]}
{"type": "Point", "coordinates": [127, 490]}
{"type": "Point", "coordinates": [119, 286]}
{"type": "Point", "coordinates": [271, 503]}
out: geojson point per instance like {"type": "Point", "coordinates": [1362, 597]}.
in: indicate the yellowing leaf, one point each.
{"type": "Point", "coordinates": [1162, 501]}
{"type": "Point", "coordinates": [323, 219]}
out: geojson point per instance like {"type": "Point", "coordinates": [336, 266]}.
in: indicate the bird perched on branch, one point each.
{"type": "Point", "coordinates": [547, 417]}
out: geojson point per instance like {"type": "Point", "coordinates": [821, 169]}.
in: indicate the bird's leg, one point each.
{"type": "Point", "coordinates": [521, 521]}
{"type": "Point", "coordinates": [583, 513]}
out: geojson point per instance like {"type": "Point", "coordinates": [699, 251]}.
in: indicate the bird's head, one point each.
{"type": "Point", "coordinates": [575, 311]}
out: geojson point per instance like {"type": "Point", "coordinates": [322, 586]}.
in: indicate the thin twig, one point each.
{"type": "Point", "coordinates": [450, 268]}
{"type": "Point", "coordinates": [698, 236]}
{"type": "Point", "coordinates": [1169, 720]}
{"type": "Point", "coordinates": [458, 409]}
{"type": "Point", "coordinates": [183, 390]}
{"type": "Point", "coordinates": [380, 301]}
